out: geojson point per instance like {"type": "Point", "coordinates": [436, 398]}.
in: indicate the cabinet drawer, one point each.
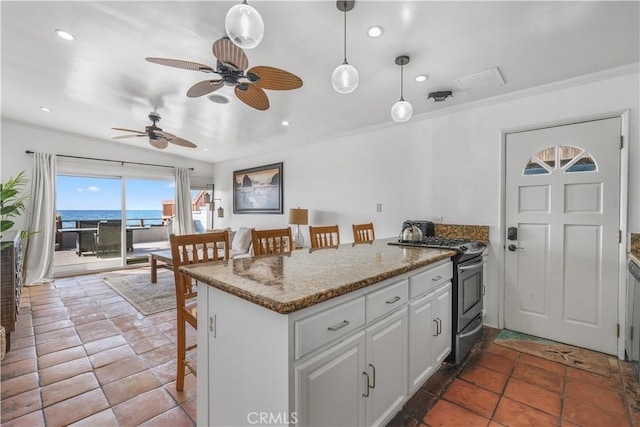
{"type": "Point", "coordinates": [319, 329]}
{"type": "Point", "coordinates": [387, 299]}
{"type": "Point", "coordinates": [430, 279]}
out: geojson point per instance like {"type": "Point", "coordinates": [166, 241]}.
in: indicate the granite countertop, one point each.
{"type": "Point", "coordinates": [291, 282]}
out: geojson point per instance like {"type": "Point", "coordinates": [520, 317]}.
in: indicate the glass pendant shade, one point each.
{"type": "Point", "coordinates": [244, 26]}
{"type": "Point", "coordinates": [401, 111]}
{"type": "Point", "coordinates": [345, 78]}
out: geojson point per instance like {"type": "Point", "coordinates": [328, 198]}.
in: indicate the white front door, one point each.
{"type": "Point", "coordinates": [562, 218]}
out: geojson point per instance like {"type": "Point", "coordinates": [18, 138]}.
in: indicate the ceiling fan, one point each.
{"type": "Point", "coordinates": [230, 66]}
{"type": "Point", "coordinates": [157, 137]}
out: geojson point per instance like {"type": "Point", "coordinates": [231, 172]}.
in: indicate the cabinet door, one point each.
{"type": "Point", "coordinates": [422, 330]}
{"type": "Point", "coordinates": [330, 386]}
{"type": "Point", "coordinates": [443, 317]}
{"type": "Point", "coordinates": [386, 367]}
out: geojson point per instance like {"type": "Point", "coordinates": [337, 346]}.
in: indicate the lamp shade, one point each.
{"type": "Point", "coordinates": [244, 26]}
{"type": "Point", "coordinates": [298, 216]}
{"type": "Point", "coordinates": [401, 111]}
{"type": "Point", "coordinates": [345, 78]}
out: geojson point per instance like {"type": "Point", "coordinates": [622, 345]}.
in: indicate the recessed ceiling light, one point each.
{"type": "Point", "coordinates": [205, 149]}
{"type": "Point", "coordinates": [65, 35]}
{"type": "Point", "coordinates": [375, 31]}
{"type": "Point", "coordinates": [421, 78]}
{"type": "Point", "coordinates": [285, 123]}
{"type": "Point", "coordinates": [218, 99]}
{"type": "Point", "coordinates": [46, 109]}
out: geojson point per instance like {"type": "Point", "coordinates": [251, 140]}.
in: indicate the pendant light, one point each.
{"type": "Point", "coordinates": [244, 26]}
{"type": "Point", "coordinates": [345, 77]}
{"type": "Point", "coordinates": [401, 110]}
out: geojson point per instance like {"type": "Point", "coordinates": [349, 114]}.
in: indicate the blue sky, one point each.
{"type": "Point", "coordinates": [87, 193]}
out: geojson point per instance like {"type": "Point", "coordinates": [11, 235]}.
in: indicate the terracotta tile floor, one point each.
{"type": "Point", "coordinates": [83, 356]}
{"type": "Point", "coordinates": [497, 386]}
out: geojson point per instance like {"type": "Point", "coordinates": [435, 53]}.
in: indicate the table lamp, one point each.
{"type": "Point", "coordinates": [298, 217]}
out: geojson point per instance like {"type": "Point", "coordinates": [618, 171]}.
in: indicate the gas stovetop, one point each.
{"type": "Point", "coordinates": [462, 246]}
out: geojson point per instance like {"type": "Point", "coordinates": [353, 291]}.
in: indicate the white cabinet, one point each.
{"type": "Point", "coordinates": [429, 334]}
{"type": "Point", "coordinates": [442, 342]}
{"type": "Point", "coordinates": [386, 370]}
{"type": "Point", "coordinates": [421, 336]}
{"type": "Point", "coordinates": [368, 371]}
{"type": "Point", "coordinates": [330, 386]}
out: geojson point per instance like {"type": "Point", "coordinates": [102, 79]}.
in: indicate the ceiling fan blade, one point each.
{"type": "Point", "coordinates": [253, 96]}
{"type": "Point", "coordinates": [130, 130]}
{"type": "Point", "coordinates": [169, 137]}
{"type": "Point", "coordinates": [274, 78]}
{"type": "Point", "coordinates": [128, 136]}
{"type": "Point", "coordinates": [185, 65]}
{"type": "Point", "coordinates": [159, 143]}
{"type": "Point", "coordinates": [226, 52]}
{"type": "Point", "coordinates": [204, 88]}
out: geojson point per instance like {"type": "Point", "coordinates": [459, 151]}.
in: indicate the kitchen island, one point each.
{"type": "Point", "coordinates": [337, 336]}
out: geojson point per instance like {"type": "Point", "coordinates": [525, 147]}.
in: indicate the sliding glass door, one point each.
{"type": "Point", "coordinates": [149, 213]}
{"type": "Point", "coordinates": [91, 212]}
{"type": "Point", "coordinates": [88, 224]}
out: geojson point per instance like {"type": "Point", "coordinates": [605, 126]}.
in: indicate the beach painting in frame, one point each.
{"type": "Point", "coordinates": [258, 190]}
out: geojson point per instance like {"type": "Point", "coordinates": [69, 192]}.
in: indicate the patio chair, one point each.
{"type": "Point", "coordinates": [108, 237]}
{"type": "Point", "coordinates": [85, 240]}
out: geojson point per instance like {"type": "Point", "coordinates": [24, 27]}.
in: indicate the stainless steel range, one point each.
{"type": "Point", "coordinates": [467, 288]}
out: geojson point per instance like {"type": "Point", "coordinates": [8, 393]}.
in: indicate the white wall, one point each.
{"type": "Point", "coordinates": [448, 164]}
{"type": "Point", "coordinates": [17, 137]}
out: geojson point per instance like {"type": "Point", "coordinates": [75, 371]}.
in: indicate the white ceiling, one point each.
{"type": "Point", "coordinates": [101, 79]}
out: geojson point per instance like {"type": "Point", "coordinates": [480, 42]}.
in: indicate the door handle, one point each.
{"type": "Point", "coordinates": [373, 368]}
{"type": "Point", "coordinates": [436, 334]}
{"type": "Point", "coordinates": [339, 326]}
{"type": "Point", "coordinates": [513, 248]}
{"type": "Point", "coordinates": [367, 386]}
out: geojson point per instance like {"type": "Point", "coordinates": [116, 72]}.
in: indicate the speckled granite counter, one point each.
{"type": "Point", "coordinates": [456, 231]}
{"type": "Point", "coordinates": [635, 247]}
{"type": "Point", "coordinates": [287, 283]}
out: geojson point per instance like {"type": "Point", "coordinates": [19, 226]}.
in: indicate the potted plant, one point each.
{"type": "Point", "coordinates": [12, 203]}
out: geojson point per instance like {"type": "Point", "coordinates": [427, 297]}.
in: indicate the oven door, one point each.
{"type": "Point", "coordinates": [469, 291]}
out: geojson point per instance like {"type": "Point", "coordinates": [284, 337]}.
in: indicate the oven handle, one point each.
{"type": "Point", "coordinates": [471, 267]}
{"type": "Point", "coordinates": [471, 332]}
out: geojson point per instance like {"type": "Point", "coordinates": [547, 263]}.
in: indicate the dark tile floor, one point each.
{"type": "Point", "coordinates": [497, 386]}
{"type": "Point", "coordinates": [83, 356]}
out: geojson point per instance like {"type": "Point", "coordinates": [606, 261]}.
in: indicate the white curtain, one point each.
{"type": "Point", "coordinates": [183, 223]}
{"type": "Point", "coordinates": [41, 220]}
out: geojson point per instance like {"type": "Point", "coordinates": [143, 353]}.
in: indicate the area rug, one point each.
{"type": "Point", "coordinates": [597, 363]}
{"type": "Point", "coordinates": [146, 297]}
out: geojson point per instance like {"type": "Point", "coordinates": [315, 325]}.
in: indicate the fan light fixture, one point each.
{"type": "Point", "coordinates": [244, 26]}
{"type": "Point", "coordinates": [345, 77]}
{"type": "Point", "coordinates": [401, 110]}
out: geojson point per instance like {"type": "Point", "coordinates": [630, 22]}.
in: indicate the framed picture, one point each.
{"type": "Point", "coordinates": [258, 190]}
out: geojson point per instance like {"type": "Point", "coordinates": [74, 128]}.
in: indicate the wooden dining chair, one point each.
{"type": "Point", "coordinates": [191, 249]}
{"type": "Point", "coordinates": [363, 233]}
{"type": "Point", "coordinates": [324, 237]}
{"type": "Point", "coordinates": [274, 241]}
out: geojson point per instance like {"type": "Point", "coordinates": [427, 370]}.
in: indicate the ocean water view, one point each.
{"type": "Point", "coordinates": [151, 217]}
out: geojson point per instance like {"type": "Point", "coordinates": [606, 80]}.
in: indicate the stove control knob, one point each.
{"type": "Point", "coordinates": [463, 248]}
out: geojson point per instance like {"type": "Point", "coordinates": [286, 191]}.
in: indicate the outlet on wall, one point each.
{"type": "Point", "coordinates": [436, 219]}
{"type": "Point", "coordinates": [379, 207]}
